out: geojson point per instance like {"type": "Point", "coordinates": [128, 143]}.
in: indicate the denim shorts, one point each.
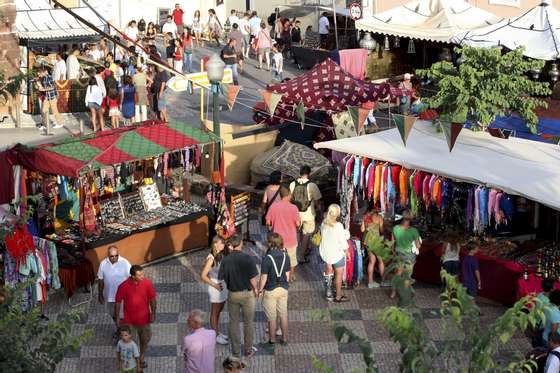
{"type": "Point", "coordinates": [93, 105]}
{"type": "Point", "coordinates": [340, 264]}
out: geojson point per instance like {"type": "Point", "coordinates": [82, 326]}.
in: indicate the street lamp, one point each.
{"type": "Point", "coordinates": [215, 70]}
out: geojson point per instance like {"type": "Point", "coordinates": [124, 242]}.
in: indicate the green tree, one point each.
{"type": "Point", "coordinates": [466, 347]}
{"type": "Point", "coordinates": [28, 343]}
{"type": "Point", "coordinates": [487, 84]}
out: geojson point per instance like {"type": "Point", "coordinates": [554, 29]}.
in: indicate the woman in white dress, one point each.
{"type": "Point", "coordinates": [216, 289]}
{"type": "Point", "coordinates": [334, 251]}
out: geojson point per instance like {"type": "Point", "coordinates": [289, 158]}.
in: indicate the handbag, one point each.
{"type": "Point", "coordinates": [267, 207]}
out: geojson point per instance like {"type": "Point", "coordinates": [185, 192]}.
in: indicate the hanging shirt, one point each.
{"type": "Point", "coordinates": [356, 172]}
{"type": "Point", "coordinates": [403, 186]}
{"type": "Point", "coordinates": [492, 203]}
{"type": "Point", "coordinates": [370, 176]}
{"type": "Point", "coordinates": [476, 213]}
{"type": "Point", "coordinates": [395, 172]}
{"type": "Point", "coordinates": [483, 205]}
{"type": "Point", "coordinates": [506, 205]}
{"type": "Point", "coordinates": [377, 183]}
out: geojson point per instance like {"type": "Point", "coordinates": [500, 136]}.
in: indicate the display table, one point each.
{"type": "Point", "coordinates": [531, 286]}
{"type": "Point", "coordinates": [74, 277]}
{"type": "Point", "coordinates": [151, 244]}
{"type": "Point", "coordinates": [306, 58]}
{"type": "Point", "coordinates": [499, 277]}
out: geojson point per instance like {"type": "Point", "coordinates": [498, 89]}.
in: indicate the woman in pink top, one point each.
{"type": "Point", "coordinates": [264, 44]}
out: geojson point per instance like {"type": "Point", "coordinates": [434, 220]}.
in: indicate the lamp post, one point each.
{"type": "Point", "coordinates": [215, 70]}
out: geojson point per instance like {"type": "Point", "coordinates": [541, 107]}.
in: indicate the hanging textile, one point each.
{"type": "Point", "coordinates": [343, 125]}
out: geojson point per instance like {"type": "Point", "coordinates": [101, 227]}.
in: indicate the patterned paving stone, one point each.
{"type": "Point", "coordinates": [179, 291]}
{"type": "Point", "coordinates": [302, 363]}
{"type": "Point", "coordinates": [311, 332]}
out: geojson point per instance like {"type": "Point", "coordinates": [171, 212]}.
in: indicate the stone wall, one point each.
{"type": "Point", "coordinates": [9, 47]}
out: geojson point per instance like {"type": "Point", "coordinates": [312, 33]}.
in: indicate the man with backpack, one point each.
{"type": "Point", "coordinates": [553, 359]}
{"type": "Point", "coordinates": [306, 196]}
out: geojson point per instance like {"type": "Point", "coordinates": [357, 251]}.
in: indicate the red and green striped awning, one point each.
{"type": "Point", "coordinates": [75, 155]}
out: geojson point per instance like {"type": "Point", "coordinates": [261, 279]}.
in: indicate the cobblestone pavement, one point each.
{"type": "Point", "coordinates": [179, 291]}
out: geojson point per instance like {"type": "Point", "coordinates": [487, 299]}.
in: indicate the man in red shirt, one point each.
{"type": "Point", "coordinates": [139, 298]}
{"type": "Point", "coordinates": [283, 218]}
{"type": "Point", "coordinates": [178, 18]}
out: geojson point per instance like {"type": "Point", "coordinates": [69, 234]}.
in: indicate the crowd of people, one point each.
{"type": "Point", "coordinates": [123, 86]}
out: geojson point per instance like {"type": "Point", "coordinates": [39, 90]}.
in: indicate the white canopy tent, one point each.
{"type": "Point", "coordinates": [436, 20]}
{"type": "Point", "coordinates": [538, 31]}
{"type": "Point", "coordinates": [516, 166]}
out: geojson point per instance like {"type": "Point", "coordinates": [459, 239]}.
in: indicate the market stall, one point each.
{"type": "Point", "coordinates": [120, 187]}
{"type": "Point", "coordinates": [42, 32]}
{"type": "Point", "coordinates": [536, 31]}
{"type": "Point", "coordinates": [475, 191]}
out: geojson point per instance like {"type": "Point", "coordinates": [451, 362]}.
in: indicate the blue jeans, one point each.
{"type": "Point", "coordinates": [276, 76]}
{"type": "Point", "coordinates": [234, 71]}
{"type": "Point", "coordinates": [187, 62]}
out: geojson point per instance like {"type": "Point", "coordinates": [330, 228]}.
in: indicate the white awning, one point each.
{"type": "Point", "coordinates": [538, 31]}
{"type": "Point", "coordinates": [42, 23]}
{"type": "Point", "coordinates": [516, 166]}
{"type": "Point", "coordinates": [436, 20]}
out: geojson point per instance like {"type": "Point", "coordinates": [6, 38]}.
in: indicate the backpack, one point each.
{"type": "Point", "coordinates": [541, 360]}
{"type": "Point", "coordinates": [300, 196]}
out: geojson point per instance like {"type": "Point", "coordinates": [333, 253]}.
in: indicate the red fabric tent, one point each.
{"type": "Point", "coordinates": [325, 87]}
{"type": "Point", "coordinates": [328, 87]}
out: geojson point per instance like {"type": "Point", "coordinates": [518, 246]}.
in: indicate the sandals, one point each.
{"type": "Point", "coordinates": [342, 299]}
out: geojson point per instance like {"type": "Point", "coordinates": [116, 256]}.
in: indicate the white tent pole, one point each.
{"type": "Point", "coordinates": [335, 28]}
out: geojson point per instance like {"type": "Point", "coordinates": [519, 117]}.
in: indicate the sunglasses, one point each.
{"type": "Point", "coordinates": [114, 256]}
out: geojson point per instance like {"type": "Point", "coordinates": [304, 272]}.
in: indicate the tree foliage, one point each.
{"type": "Point", "coordinates": [467, 345]}
{"type": "Point", "coordinates": [10, 86]}
{"type": "Point", "coordinates": [30, 344]}
{"type": "Point", "coordinates": [487, 84]}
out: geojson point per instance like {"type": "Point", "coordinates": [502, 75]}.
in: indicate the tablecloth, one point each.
{"type": "Point", "coordinates": [531, 285]}
{"type": "Point", "coordinates": [76, 276]}
{"type": "Point", "coordinates": [499, 277]}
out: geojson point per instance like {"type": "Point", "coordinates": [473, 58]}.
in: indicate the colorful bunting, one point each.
{"type": "Point", "coordinates": [300, 110]}
{"type": "Point", "coordinates": [343, 125]}
{"type": "Point", "coordinates": [359, 116]}
{"type": "Point", "coordinates": [404, 123]}
{"type": "Point", "coordinates": [230, 92]}
{"type": "Point", "coordinates": [271, 99]}
{"type": "Point", "coordinates": [451, 132]}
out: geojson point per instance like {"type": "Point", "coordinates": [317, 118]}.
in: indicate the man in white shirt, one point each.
{"type": "Point", "coordinates": [113, 271]}
{"type": "Point", "coordinates": [95, 54]}
{"type": "Point", "coordinates": [233, 18]}
{"type": "Point", "coordinates": [553, 359]}
{"type": "Point", "coordinates": [324, 29]}
{"type": "Point", "coordinates": [169, 27]}
{"type": "Point", "coordinates": [59, 69]}
{"type": "Point", "coordinates": [245, 29]}
{"type": "Point", "coordinates": [73, 65]}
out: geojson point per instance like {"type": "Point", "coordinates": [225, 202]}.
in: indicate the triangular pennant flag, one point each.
{"type": "Point", "coordinates": [404, 123]}
{"type": "Point", "coordinates": [353, 111]}
{"type": "Point", "coordinates": [231, 93]}
{"type": "Point", "coordinates": [451, 132]}
{"type": "Point", "coordinates": [362, 117]}
{"type": "Point", "coordinates": [271, 100]}
{"type": "Point", "coordinates": [301, 113]}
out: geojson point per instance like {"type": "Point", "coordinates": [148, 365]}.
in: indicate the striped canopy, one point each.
{"type": "Point", "coordinates": [76, 155]}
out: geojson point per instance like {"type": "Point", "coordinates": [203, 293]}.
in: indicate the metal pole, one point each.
{"type": "Point", "coordinates": [335, 28]}
{"type": "Point", "coordinates": [216, 107]}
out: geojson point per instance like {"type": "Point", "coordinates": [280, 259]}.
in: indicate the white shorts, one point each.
{"type": "Point", "coordinates": [217, 296]}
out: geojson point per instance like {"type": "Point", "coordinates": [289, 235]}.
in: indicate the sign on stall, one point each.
{"type": "Point", "coordinates": [355, 11]}
{"type": "Point", "coordinates": [181, 84]}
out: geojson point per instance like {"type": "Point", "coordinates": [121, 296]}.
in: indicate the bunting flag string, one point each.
{"type": "Point", "coordinates": [300, 110]}
{"type": "Point", "coordinates": [451, 132]}
{"type": "Point", "coordinates": [271, 99]}
{"type": "Point", "coordinates": [359, 116]}
{"type": "Point", "coordinates": [230, 92]}
{"type": "Point", "coordinates": [404, 124]}
{"type": "Point", "coordinates": [343, 125]}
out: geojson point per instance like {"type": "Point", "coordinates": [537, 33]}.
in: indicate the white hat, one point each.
{"type": "Point", "coordinates": [407, 76]}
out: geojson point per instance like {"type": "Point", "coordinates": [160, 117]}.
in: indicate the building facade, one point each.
{"type": "Point", "coordinates": [502, 8]}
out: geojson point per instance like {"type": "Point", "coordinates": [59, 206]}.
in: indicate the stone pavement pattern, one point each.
{"type": "Point", "coordinates": [179, 291]}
